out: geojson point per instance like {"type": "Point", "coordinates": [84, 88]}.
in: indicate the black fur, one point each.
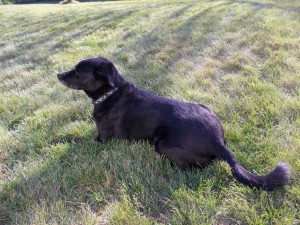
{"type": "Point", "coordinates": [190, 135]}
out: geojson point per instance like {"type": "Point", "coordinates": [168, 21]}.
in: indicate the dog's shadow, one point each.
{"type": "Point", "coordinates": [97, 175]}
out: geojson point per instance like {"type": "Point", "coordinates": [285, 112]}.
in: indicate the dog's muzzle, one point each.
{"type": "Point", "coordinates": [60, 75]}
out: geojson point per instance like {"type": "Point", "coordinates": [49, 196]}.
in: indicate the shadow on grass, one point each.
{"type": "Point", "coordinates": [277, 4]}
{"type": "Point", "coordinates": [99, 175]}
{"type": "Point", "coordinates": [158, 52]}
{"type": "Point", "coordinates": [35, 47]}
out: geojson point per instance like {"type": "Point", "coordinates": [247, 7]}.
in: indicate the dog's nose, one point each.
{"type": "Point", "coordinates": [59, 75]}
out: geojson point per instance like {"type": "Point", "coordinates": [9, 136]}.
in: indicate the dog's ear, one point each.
{"type": "Point", "coordinates": [107, 71]}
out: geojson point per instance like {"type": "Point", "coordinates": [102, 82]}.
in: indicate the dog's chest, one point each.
{"type": "Point", "coordinates": [108, 124]}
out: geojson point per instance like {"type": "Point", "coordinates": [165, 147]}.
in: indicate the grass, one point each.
{"type": "Point", "coordinates": [241, 58]}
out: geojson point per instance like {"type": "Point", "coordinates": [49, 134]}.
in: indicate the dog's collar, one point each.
{"type": "Point", "coordinates": [105, 96]}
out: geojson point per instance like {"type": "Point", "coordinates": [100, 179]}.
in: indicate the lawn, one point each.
{"type": "Point", "coordinates": [240, 58]}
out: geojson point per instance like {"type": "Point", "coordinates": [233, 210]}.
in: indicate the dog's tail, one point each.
{"type": "Point", "coordinates": [277, 178]}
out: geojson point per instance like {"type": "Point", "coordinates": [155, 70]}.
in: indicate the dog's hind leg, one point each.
{"type": "Point", "coordinates": [167, 143]}
{"type": "Point", "coordinates": [182, 157]}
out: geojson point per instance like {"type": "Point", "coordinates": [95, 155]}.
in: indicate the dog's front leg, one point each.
{"type": "Point", "coordinates": [98, 139]}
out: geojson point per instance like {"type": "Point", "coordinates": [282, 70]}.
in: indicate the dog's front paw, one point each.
{"type": "Point", "coordinates": [75, 140]}
{"type": "Point", "coordinates": [98, 139]}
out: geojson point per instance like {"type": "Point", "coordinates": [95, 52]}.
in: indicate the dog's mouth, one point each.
{"type": "Point", "coordinates": [67, 84]}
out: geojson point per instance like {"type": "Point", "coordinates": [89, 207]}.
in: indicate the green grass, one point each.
{"type": "Point", "coordinates": [241, 58]}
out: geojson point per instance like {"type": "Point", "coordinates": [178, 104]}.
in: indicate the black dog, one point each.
{"type": "Point", "coordinates": [190, 135]}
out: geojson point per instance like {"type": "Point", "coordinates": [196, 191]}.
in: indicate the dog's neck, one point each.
{"type": "Point", "coordinates": [105, 96]}
{"type": "Point", "coordinates": [105, 91]}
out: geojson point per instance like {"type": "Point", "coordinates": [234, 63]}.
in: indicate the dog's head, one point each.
{"type": "Point", "coordinates": [90, 75]}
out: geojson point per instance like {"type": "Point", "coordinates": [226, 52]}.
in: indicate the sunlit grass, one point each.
{"type": "Point", "coordinates": [241, 58]}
